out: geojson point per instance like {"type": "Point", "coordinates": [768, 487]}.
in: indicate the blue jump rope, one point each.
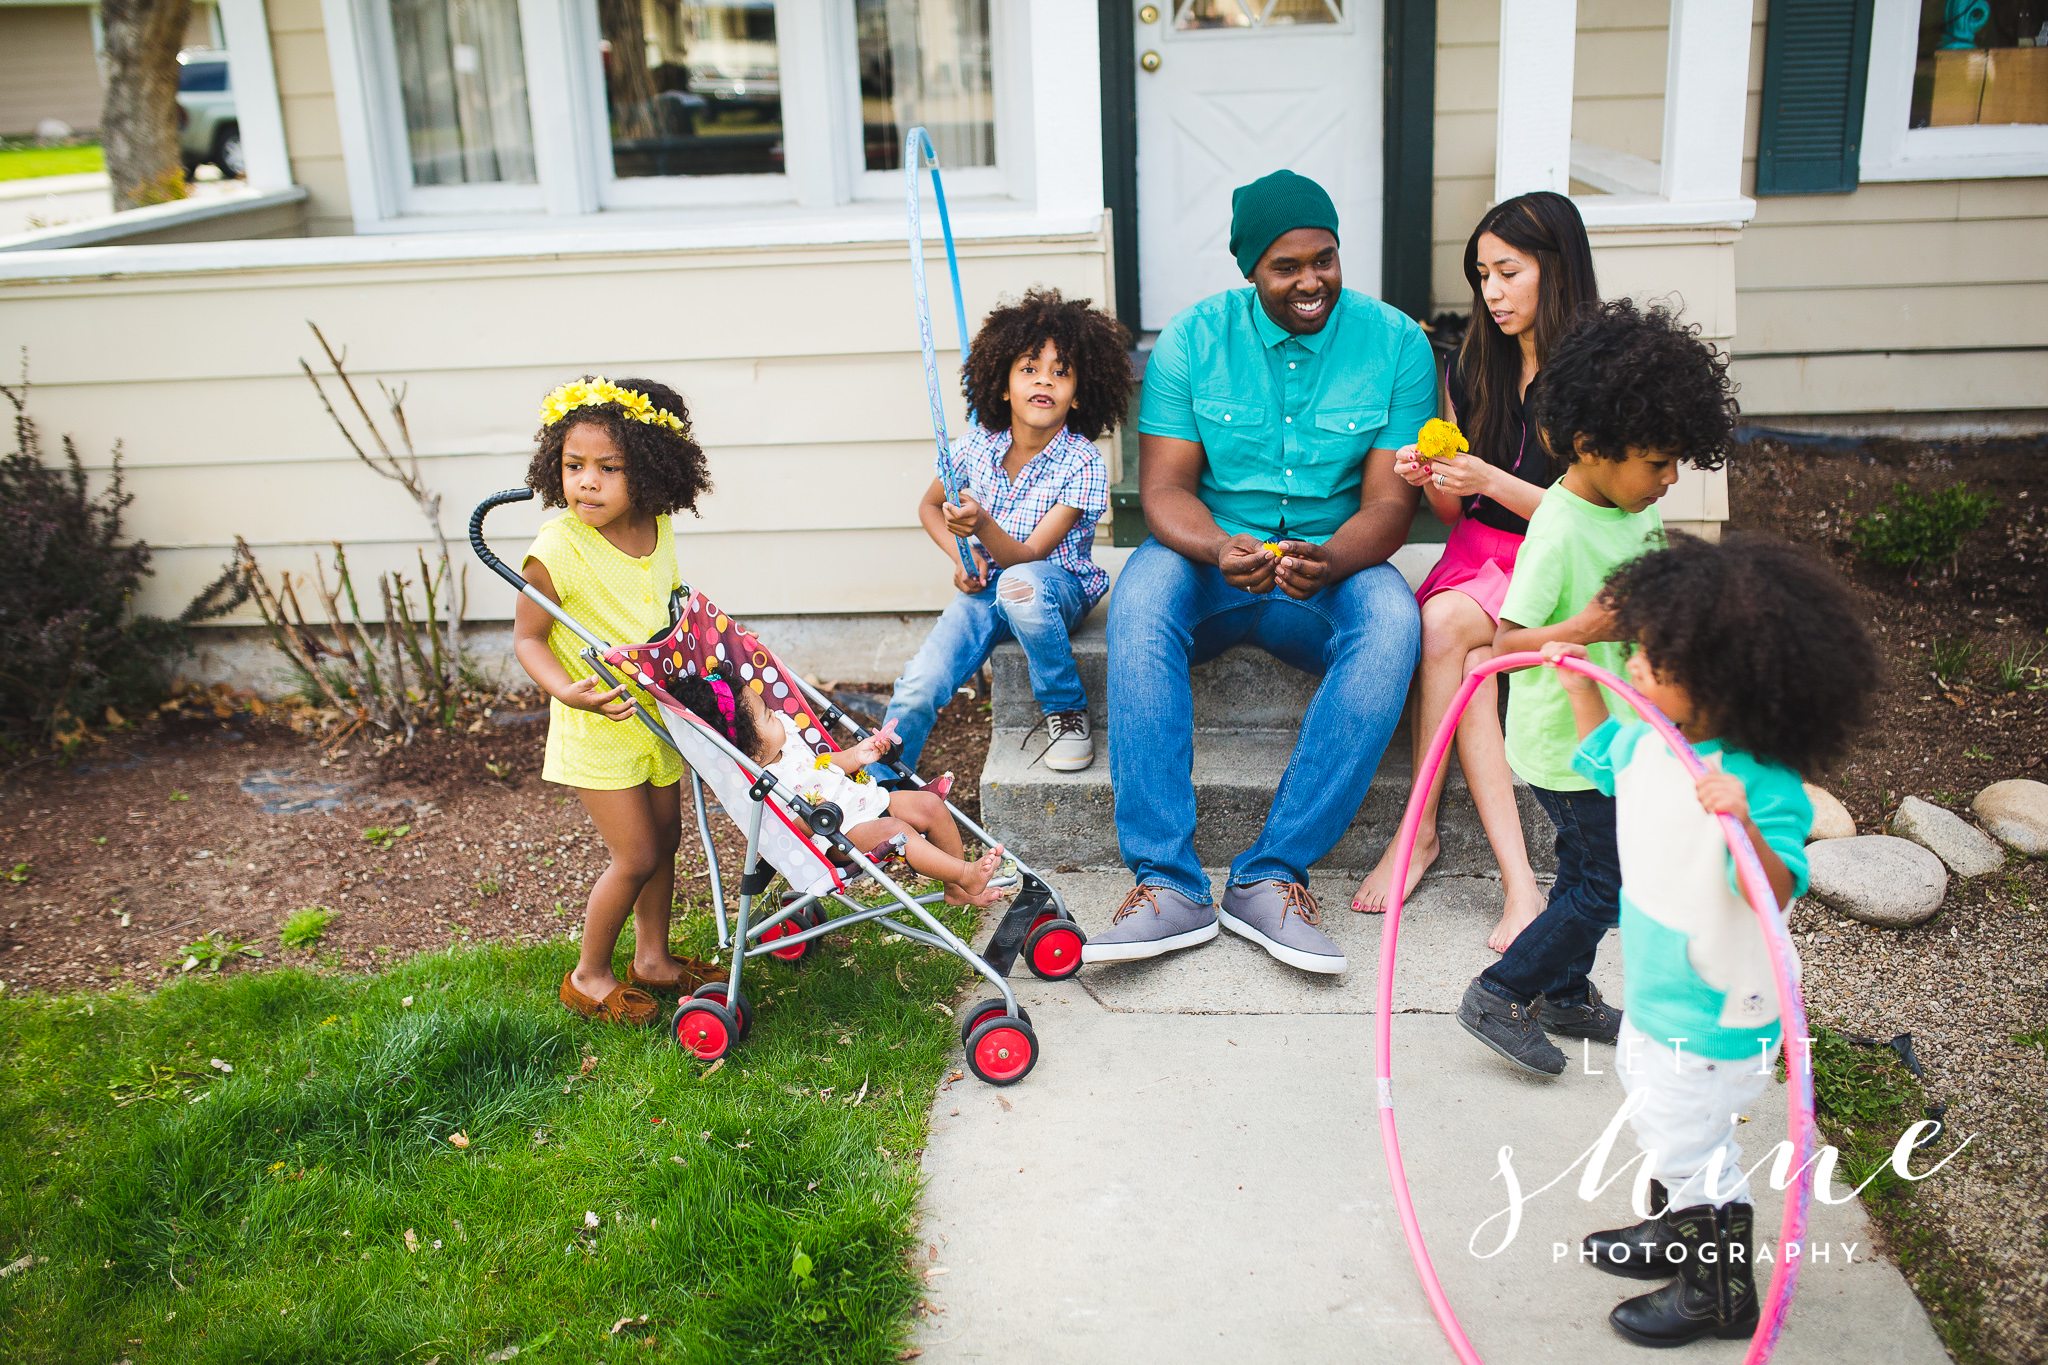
{"type": "Point", "coordinates": [916, 140]}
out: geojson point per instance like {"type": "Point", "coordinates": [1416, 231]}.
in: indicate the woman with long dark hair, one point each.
{"type": "Point", "coordinates": [1531, 271]}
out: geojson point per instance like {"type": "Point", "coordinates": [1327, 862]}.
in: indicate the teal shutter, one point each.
{"type": "Point", "coordinates": [1816, 62]}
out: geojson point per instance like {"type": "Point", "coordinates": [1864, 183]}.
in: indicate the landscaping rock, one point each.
{"type": "Point", "coordinates": [1892, 883]}
{"type": "Point", "coordinates": [1967, 850]}
{"type": "Point", "coordinates": [1831, 819]}
{"type": "Point", "coordinates": [2016, 813]}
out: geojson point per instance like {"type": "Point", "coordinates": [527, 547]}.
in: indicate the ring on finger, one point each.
{"type": "Point", "coordinates": [1439, 481]}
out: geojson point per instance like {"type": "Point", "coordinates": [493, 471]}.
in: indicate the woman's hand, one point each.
{"type": "Point", "coordinates": [1461, 476]}
{"type": "Point", "coordinates": [1413, 469]}
{"type": "Point", "coordinates": [964, 517]}
{"type": "Point", "coordinates": [584, 695]}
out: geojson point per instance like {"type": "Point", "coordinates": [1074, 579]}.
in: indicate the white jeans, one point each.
{"type": "Point", "coordinates": [1691, 1113]}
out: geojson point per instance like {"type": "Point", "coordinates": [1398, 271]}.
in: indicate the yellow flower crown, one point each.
{"type": "Point", "coordinates": [590, 393]}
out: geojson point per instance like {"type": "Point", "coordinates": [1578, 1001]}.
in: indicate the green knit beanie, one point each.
{"type": "Point", "coordinates": [1270, 206]}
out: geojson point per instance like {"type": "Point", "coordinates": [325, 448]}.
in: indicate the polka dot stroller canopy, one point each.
{"type": "Point", "coordinates": [704, 641]}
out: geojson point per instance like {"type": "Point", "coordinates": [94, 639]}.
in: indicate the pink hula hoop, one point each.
{"type": "Point", "coordinates": [1792, 1011]}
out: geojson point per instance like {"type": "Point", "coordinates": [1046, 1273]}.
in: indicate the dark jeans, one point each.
{"type": "Point", "coordinates": [1552, 956]}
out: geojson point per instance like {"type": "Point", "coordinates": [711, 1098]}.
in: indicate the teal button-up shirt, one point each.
{"type": "Point", "coordinates": [1285, 421]}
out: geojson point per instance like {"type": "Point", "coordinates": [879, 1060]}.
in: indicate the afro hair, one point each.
{"type": "Point", "coordinates": [1094, 346]}
{"type": "Point", "coordinates": [665, 469]}
{"type": "Point", "coordinates": [1763, 637]}
{"type": "Point", "coordinates": [696, 694]}
{"type": "Point", "coordinates": [1623, 379]}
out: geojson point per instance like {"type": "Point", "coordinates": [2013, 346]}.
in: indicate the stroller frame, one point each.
{"type": "Point", "coordinates": [997, 1027]}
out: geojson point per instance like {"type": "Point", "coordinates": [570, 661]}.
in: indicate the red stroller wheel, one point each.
{"type": "Point", "coordinates": [704, 1029]}
{"type": "Point", "coordinates": [1054, 950]}
{"type": "Point", "coordinates": [742, 1017]}
{"type": "Point", "coordinates": [1003, 1050]}
{"type": "Point", "coordinates": [992, 1008]}
{"type": "Point", "coordinates": [795, 924]}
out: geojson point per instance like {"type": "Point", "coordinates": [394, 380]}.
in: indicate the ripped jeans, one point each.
{"type": "Point", "coordinates": [1038, 605]}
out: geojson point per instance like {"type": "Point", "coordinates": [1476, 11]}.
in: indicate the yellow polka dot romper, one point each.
{"type": "Point", "coordinates": [623, 600]}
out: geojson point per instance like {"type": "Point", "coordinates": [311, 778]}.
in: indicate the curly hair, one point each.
{"type": "Point", "coordinates": [1622, 378]}
{"type": "Point", "coordinates": [1763, 637]}
{"type": "Point", "coordinates": [665, 469]}
{"type": "Point", "coordinates": [696, 694]}
{"type": "Point", "coordinates": [1094, 345]}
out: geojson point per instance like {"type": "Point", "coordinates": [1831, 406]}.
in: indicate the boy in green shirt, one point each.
{"type": "Point", "coordinates": [1628, 396]}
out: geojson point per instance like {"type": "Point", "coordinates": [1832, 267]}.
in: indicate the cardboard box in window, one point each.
{"type": "Point", "coordinates": [1957, 86]}
{"type": "Point", "coordinates": [2015, 86]}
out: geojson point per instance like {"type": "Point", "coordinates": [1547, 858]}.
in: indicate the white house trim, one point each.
{"type": "Point", "coordinates": [1894, 151]}
{"type": "Point", "coordinates": [258, 114]}
{"type": "Point", "coordinates": [1533, 125]}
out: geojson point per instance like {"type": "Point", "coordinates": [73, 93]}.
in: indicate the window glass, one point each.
{"type": "Point", "coordinates": [1981, 62]}
{"type": "Point", "coordinates": [692, 89]}
{"type": "Point", "coordinates": [462, 79]}
{"type": "Point", "coordinates": [202, 78]}
{"type": "Point", "coordinates": [926, 62]}
{"type": "Point", "coordinates": [1200, 14]}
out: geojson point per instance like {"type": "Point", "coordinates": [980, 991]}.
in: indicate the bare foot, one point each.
{"type": "Point", "coordinates": [973, 888]}
{"type": "Point", "coordinates": [1524, 904]}
{"type": "Point", "coordinates": [1373, 893]}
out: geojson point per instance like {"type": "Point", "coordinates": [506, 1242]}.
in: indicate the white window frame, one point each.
{"type": "Point", "coordinates": [1894, 151]}
{"type": "Point", "coordinates": [823, 164]}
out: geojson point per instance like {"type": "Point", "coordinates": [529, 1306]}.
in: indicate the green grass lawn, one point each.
{"type": "Point", "coordinates": [24, 163]}
{"type": "Point", "coordinates": [309, 1206]}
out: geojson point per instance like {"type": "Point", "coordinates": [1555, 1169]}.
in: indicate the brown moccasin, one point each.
{"type": "Point", "coordinates": [696, 972]}
{"type": "Point", "coordinates": [625, 1005]}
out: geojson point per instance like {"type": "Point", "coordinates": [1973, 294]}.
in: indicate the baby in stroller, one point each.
{"type": "Point", "coordinates": [872, 815]}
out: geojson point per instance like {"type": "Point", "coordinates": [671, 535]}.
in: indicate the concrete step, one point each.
{"type": "Point", "coordinates": [1068, 819]}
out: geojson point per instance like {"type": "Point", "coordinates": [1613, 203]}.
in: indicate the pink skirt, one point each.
{"type": "Point", "coordinates": [1478, 561]}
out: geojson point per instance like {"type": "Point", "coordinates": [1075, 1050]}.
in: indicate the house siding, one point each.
{"type": "Point", "coordinates": [800, 365]}
{"type": "Point", "coordinates": [312, 129]}
{"type": "Point", "coordinates": [47, 68]}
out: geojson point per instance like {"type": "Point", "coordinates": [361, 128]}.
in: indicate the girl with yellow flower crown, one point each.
{"type": "Point", "coordinates": [619, 459]}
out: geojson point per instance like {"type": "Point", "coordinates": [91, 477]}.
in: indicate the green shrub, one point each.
{"type": "Point", "coordinates": [69, 647]}
{"type": "Point", "coordinates": [1917, 532]}
{"type": "Point", "coordinates": [306, 927]}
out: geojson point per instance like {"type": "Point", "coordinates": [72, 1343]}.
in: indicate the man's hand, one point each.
{"type": "Point", "coordinates": [1302, 568]}
{"type": "Point", "coordinates": [1247, 564]}
{"type": "Point", "coordinates": [964, 517]}
{"type": "Point", "coordinates": [1724, 794]}
{"type": "Point", "coordinates": [584, 695]}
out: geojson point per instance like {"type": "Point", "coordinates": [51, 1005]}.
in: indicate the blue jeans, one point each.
{"type": "Point", "coordinates": [1168, 613]}
{"type": "Point", "coordinates": [1551, 957]}
{"type": "Point", "coordinates": [972, 625]}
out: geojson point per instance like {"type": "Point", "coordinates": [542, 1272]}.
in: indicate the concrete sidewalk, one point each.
{"type": "Point", "coordinates": [1193, 1173]}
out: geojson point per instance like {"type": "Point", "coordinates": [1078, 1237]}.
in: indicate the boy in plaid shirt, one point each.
{"type": "Point", "coordinates": [1044, 377]}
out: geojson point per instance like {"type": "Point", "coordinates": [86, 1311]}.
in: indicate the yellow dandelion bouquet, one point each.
{"type": "Point", "coordinates": [591, 393]}
{"type": "Point", "coordinates": [1439, 440]}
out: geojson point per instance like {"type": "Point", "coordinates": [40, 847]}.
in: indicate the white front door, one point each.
{"type": "Point", "coordinates": [1230, 90]}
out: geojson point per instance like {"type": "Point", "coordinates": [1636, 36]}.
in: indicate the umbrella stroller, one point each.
{"type": "Point", "coordinates": [801, 840]}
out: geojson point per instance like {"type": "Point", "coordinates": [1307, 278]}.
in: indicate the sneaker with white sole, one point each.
{"type": "Point", "coordinates": [1281, 917]}
{"type": "Point", "coordinates": [1073, 744]}
{"type": "Point", "coordinates": [1151, 921]}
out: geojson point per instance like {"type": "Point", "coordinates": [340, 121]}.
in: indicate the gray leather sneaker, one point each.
{"type": "Point", "coordinates": [1152, 920]}
{"type": "Point", "coordinates": [1281, 917]}
{"type": "Point", "coordinates": [1509, 1029]}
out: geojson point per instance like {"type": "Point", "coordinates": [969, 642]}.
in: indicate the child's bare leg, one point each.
{"type": "Point", "coordinates": [629, 822]}
{"type": "Point", "coordinates": [1483, 754]}
{"type": "Point", "coordinates": [966, 883]}
{"type": "Point", "coordinates": [655, 906]}
{"type": "Point", "coordinates": [927, 814]}
{"type": "Point", "coordinates": [1452, 625]}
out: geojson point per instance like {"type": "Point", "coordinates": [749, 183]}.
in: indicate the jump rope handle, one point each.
{"type": "Point", "coordinates": [917, 141]}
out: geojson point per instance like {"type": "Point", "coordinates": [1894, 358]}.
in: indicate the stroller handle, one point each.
{"type": "Point", "coordinates": [476, 533]}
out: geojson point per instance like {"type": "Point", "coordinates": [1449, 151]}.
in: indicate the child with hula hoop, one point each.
{"type": "Point", "coordinates": [1753, 650]}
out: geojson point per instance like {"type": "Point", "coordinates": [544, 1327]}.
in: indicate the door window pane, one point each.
{"type": "Point", "coordinates": [1981, 61]}
{"type": "Point", "coordinates": [692, 89]}
{"type": "Point", "coordinates": [1200, 14]}
{"type": "Point", "coordinates": [462, 79]}
{"type": "Point", "coordinates": [926, 62]}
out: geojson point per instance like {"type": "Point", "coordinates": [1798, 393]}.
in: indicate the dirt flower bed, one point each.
{"type": "Point", "coordinates": [1965, 704]}
{"type": "Point", "coordinates": [210, 831]}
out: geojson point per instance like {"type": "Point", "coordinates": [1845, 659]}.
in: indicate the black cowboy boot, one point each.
{"type": "Point", "coordinates": [1710, 1297]}
{"type": "Point", "coordinates": [1638, 1252]}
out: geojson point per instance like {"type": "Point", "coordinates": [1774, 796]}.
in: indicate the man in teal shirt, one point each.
{"type": "Point", "coordinates": [1266, 436]}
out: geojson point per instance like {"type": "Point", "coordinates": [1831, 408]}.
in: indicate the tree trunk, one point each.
{"type": "Point", "coordinates": [139, 120]}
